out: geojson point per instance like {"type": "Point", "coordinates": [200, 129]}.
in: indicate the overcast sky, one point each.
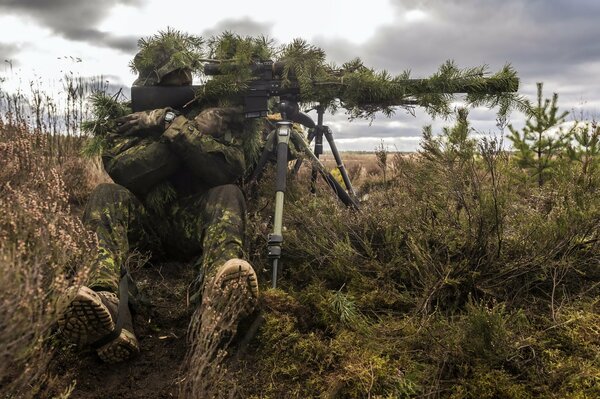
{"type": "Point", "coordinates": [553, 41]}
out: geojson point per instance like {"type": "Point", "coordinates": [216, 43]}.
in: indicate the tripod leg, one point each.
{"type": "Point", "coordinates": [331, 181]}
{"type": "Point", "coordinates": [318, 134]}
{"type": "Point", "coordinates": [275, 239]}
{"type": "Point", "coordinates": [298, 164]}
{"type": "Point", "coordinates": [264, 157]}
{"type": "Point", "coordinates": [338, 160]}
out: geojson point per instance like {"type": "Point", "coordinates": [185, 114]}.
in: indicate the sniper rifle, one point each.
{"type": "Point", "coordinates": [275, 79]}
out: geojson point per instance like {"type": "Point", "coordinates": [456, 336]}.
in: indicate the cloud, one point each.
{"type": "Point", "coordinates": [243, 26]}
{"type": "Point", "coordinates": [7, 52]}
{"type": "Point", "coordinates": [552, 41]}
{"type": "Point", "coordinates": [538, 37]}
{"type": "Point", "coordinates": [74, 20]}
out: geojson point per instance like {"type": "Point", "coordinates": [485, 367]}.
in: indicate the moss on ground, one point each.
{"type": "Point", "coordinates": [459, 278]}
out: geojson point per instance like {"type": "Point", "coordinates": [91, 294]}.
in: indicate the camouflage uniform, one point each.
{"type": "Point", "coordinates": [176, 197]}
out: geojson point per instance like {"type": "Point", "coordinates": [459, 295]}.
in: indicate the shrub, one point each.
{"type": "Point", "coordinates": [456, 279]}
{"type": "Point", "coordinates": [44, 249]}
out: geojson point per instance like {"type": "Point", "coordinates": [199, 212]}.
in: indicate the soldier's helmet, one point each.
{"type": "Point", "coordinates": [167, 58]}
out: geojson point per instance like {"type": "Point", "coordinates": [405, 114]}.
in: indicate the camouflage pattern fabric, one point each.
{"type": "Point", "coordinates": [208, 225]}
{"type": "Point", "coordinates": [216, 160]}
{"type": "Point", "coordinates": [163, 66]}
{"type": "Point", "coordinates": [174, 196]}
{"type": "Point", "coordinates": [139, 163]}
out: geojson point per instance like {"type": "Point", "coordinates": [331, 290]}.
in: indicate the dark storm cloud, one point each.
{"type": "Point", "coordinates": [126, 44]}
{"type": "Point", "coordinates": [244, 27]}
{"type": "Point", "coordinates": [552, 41]}
{"type": "Point", "coordinates": [536, 36]}
{"type": "Point", "coordinates": [74, 20]}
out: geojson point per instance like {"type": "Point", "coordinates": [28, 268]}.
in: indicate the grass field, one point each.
{"type": "Point", "coordinates": [459, 278]}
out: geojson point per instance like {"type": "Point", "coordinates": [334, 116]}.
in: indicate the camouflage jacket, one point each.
{"type": "Point", "coordinates": [190, 156]}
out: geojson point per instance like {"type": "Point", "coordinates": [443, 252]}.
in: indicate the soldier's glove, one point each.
{"type": "Point", "coordinates": [217, 121]}
{"type": "Point", "coordinates": [144, 122]}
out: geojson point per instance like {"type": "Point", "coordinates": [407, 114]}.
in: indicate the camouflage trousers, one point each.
{"type": "Point", "coordinates": [210, 226]}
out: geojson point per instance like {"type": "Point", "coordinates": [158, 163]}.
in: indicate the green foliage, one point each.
{"type": "Point", "coordinates": [381, 154]}
{"type": "Point", "coordinates": [252, 142]}
{"type": "Point", "coordinates": [105, 110]}
{"type": "Point", "coordinates": [453, 145]}
{"type": "Point", "coordinates": [171, 50]}
{"type": "Point", "coordinates": [456, 280]}
{"type": "Point", "coordinates": [240, 50]}
{"type": "Point", "coordinates": [235, 53]}
{"type": "Point", "coordinates": [360, 90]}
{"type": "Point", "coordinates": [584, 151]}
{"type": "Point", "coordinates": [539, 147]}
{"type": "Point", "coordinates": [159, 197]}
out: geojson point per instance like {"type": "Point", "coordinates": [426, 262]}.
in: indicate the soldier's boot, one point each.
{"type": "Point", "coordinates": [234, 289]}
{"type": "Point", "coordinates": [91, 316]}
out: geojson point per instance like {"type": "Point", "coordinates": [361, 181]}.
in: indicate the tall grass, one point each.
{"type": "Point", "coordinates": [58, 113]}
{"type": "Point", "coordinates": [44, 248]}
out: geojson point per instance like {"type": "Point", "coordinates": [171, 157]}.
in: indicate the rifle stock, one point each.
{"type": "Point", "coordinates": [145, 98]}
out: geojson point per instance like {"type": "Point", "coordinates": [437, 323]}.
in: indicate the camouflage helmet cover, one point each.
{"type": "Point", "coordinates": [164, 53]}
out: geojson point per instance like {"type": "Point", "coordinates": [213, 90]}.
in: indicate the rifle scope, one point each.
{"type": "Point", "coordinates": [266, 69]}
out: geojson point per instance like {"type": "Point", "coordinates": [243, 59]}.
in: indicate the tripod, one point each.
{"type": "Point", "coordinates": [278, 142]}
{"type": "Point", "coordinates": [317, 132]}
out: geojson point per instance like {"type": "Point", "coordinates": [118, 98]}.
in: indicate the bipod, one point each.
{"type": "Point", "coordinates": [316, 133]}
{"type": "Point", "coordinates": [278, 142]}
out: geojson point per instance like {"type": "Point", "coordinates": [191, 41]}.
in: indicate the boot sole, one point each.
{"type": "Point", "coordinates": [87, 319]}
{"type": "Point", "coordinates": [236, 271]}
{"type": "Point", "coordinates": [121, 348]}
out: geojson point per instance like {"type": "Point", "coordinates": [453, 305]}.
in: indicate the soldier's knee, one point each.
{"type": "Point", "coordinates": [110, 193]}
{"type": "Point", "coordinates": [104, 197]}
{"type": "Point", "coordinates": [228, 196]}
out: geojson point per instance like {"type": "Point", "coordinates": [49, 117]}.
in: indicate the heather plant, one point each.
{"type": "Point", "coordinates": [44, 249]}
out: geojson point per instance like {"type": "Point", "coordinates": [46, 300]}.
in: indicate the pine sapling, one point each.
{"type": "Point", "coordinates": [584, 150]}
{"type": "Point", "coordinates": [542, 141]}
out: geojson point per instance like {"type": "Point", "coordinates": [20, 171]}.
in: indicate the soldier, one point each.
{"type": "Point", "coordinates": [175, 195]}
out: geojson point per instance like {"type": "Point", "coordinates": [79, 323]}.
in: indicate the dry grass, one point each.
{"type": "Point", "coordinates": [44, 249]}
{"type": "Point", "coordinates": [211, 330]}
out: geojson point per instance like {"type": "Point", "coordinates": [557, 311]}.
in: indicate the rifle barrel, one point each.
{"type": "Point", "coordinates": [481, 85]}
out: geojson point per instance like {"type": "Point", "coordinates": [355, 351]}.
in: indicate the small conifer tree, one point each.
{"type": "Point", "coordinates": [584, 150]}
{"type": "Point", "coordinates": [542, 141]}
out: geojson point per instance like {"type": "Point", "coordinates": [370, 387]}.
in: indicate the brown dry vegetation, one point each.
{"type": "Point", "coordinates": [44, 249]}
{"type": "Point", "coordinates": [459, 278]}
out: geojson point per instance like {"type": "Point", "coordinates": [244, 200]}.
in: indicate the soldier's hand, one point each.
{"type": "Point", "coordinates": [215, 121]}
{"type": "Point", "coordinates": [142, 122]}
